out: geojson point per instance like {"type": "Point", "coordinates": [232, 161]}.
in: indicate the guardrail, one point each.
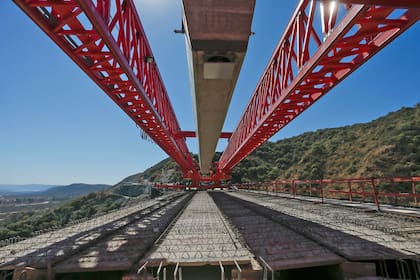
{"type": "Point", "coordinates": [395, 191]}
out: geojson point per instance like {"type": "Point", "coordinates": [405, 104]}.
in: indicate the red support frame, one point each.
{"type": "Point", "coordinates": [106, 40]}
{"type": "Point", "coordinates": [193, 134]}
{"type": "Point", "coordinates": [324, 42]}
{"type": "Point", "coordinates": [320, 48]}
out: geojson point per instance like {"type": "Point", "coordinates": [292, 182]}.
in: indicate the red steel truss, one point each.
{"type": "Point", "coordinates": [106, 39]}
{"type": "Point", "coordinates": [324, 42]}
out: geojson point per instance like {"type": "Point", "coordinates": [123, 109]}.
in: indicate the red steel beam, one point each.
{"type": "Point", "coordinates": [193, 134]}
{"type": "Point", "coordinates": [318, 50]}
{"type": "Point", "coordinates": [106, 40]}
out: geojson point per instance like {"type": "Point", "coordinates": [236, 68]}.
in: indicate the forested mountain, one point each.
{"type": "Point", "coordinates": [166, 168]}
{"type": "Point", "coordinates": [387, 146]}
{"type": "Point", "coordinates": [25, 223]}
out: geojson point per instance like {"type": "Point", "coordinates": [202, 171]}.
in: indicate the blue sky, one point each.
{"type": "Point", "coordinates": [57, 127]}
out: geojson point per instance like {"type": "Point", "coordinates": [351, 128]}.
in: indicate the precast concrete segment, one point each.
{"type": "Point", "coordinates": [400, 233]}
{"type": "Point", "coordinates": [279, 246]}
{"type": "Point", "coordinates": [55, 244]}
{"type": "Point", "coordinates": [217, 34]}
{"type": "Point", "coordinates": [126, 246]}
{"type": "Point", "coordinates": [200, 236]}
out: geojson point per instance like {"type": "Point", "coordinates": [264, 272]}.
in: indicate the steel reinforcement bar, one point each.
{"type": "Point", "coordinates": [49, 248]}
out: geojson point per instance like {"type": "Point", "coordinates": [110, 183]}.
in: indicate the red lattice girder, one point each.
{"type": "Point", "coordinates": [324, 42]}
{"type": "Point", "coordinates": [106, 39]}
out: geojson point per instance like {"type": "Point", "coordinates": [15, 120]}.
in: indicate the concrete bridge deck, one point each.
{"type": "Point", "coordinates": [201, 236]}
{"type": "Point", "coordinates": [194, 235]}
{"type": "Point", "coordinates": [397, 228]}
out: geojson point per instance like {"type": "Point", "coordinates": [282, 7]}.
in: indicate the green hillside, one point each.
{"type": "Point", "coordinates": [388, 146]}
{"type": "Point", "coordinates": [154, 174]}
{"type": "Point", "coordinates": [23, 224]}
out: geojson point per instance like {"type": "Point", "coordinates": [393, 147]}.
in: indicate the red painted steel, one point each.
{"type": "Point", "coordinates": [188, 187]}
{"type": "Point", "coordinates": [324, 42]}
{"type": "Point", "coordinates": [193, 134]}
{"type": "Point", "coordinates": [106, 40]}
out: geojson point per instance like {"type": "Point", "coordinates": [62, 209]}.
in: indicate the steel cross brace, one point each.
{"type": "Point", "coordinates": [318, 50]}
{"type": "Point", "coordinates": [106, 40]}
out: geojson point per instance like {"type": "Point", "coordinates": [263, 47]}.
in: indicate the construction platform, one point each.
{"type": "Point", "coordinates": [200, 236]}
{"type": "Point", "coordinates": [395, 228]}
{"type": "Point", "coordinates": [114, 241]}
{"type": "Point", "coordinates": [200, 243]}
{"type": "Point", "coordinates": [224, 235]}
{"type": "Point", "coordinates": [57, 242]}
{"type": "Point", "coordinates": [298, 239]}
{"type": "Point", "coordinates": [120, 250]}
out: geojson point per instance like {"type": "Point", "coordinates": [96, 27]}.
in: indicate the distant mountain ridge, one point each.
{"type": "Point", "coordinates": [73, 190]}
{"type": "Point", "coordinates": [69, 191]}
{"type": "Point", "coordinates": [24, 188]}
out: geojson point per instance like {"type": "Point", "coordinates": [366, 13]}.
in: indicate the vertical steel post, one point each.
{"type": "Point", "coordinates": [158, 271]}
{"type": "Point", "coordinates": [375, 192]}
{"type": "Point", "coordinates": [294, 188]}
{"type": "Point", "coordinates": [239, 270]}
{"type": "Point", "coordinates": [176, 270]}
{"type": "Point", "coordinates": [363, 192]}
{"type": "Point", "coordinates": [222, 271]}
{"type": "Point", "coordinates": [50, 271]}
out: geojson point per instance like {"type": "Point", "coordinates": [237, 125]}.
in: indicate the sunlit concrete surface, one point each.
{"type": "Point", "coordinates": [389, 229]}
{"type": "Point", "coordinates": [200, 236]}
{"type": "Point", "coordinates": [273, 242]}
{"type": "Point", "coordinates": [55, 244]}
{"type": "Point", "coordinates": [121, 250]}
